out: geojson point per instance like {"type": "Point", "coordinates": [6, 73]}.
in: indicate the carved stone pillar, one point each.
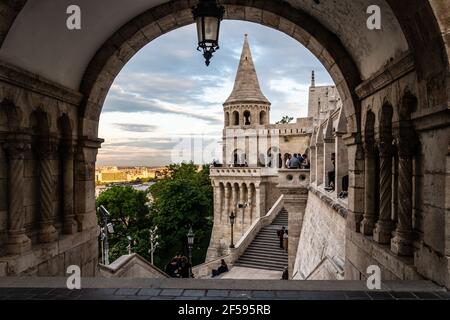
{"type": "Point", "coordinates": [368, 222]}
{"type": "Point", "coordinates": [70, 226]}
{"type": "Point", "coordinates": [250, 205]}
{"type": "Point", "coordinates": [401, 244]}
{"type": "Point", "coordinates": [312, 161]}
{"type": "Point", "coordinates": [242, 210]}
{"type": "Point", "coordinates": [17, 242]}
{"type": "Point", "coordinates": [47, 150]}
{"type": "Point", "coordinates": [227, 205]}
{"type": "Point", "coordinates": [383, 229]}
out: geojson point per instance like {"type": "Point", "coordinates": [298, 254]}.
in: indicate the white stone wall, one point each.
{"type": "Point", "coordinates": [321, 250]}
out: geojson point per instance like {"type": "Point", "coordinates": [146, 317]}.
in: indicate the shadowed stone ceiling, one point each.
{"type": "Point", "coordinates": [39, 41]}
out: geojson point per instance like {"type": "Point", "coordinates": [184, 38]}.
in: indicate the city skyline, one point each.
{"type": "Point", "coordinates": [145, 124]}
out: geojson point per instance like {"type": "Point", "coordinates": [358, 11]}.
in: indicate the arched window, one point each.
{"type": "Point", "coordinates": [262, 117]}
{"type": "Point", "coordinates": [239, 158]}
{"type": "Point", "coordinates": [227, 119]}
{"type": "Point", "coordinates": [235, 118]}
{"type": "Point", "coordinates": [247, 118]}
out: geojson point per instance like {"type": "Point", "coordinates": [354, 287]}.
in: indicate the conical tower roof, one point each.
{"type": "Point", "coordinates": [246, 86]}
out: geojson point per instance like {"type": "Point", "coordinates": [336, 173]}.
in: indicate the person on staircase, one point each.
{"type": "Point", "coordinates": [280, 234]}
{"type": "Point", "coordinates": [285, 240]}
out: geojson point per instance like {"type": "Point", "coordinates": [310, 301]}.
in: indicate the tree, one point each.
{"type": "Point", "coordinates": [285, 120]}
{"type": "Point", "coordinates": [182, 198]}
{"type": "Point", "coordinates": [130, 216]}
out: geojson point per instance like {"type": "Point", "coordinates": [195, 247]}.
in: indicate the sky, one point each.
{"type": "Point", "coordinates": [165, 106]}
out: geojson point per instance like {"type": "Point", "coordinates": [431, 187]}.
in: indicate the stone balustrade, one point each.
{"type": "Point", "coordinates": [242, 172]}
{"type": "Point", "coordinates": [290, 178]}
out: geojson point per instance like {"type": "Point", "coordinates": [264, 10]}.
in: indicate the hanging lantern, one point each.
{"type": "Point", "coordinates": [208, 15]}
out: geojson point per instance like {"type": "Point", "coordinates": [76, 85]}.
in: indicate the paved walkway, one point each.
{"type": "Point", "coordinates": [251, 274]}
{"type": "Point", "coordinates": [189, 294]}
{"type": "Point", "coordinates": [190, 289]}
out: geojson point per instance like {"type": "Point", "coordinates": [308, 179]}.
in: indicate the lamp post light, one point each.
{"type": "Point", "coordinates": [108, 228]}
{"type": "Point", "coordinates": [130, 240]}
{"type": "Point", "coordinates": [190, 238]}
{"type": "Point", "coordinates": [208, 15]}
{"type": "Point", "coordinates": [153, 242]}
{"type": "Point", "coordinates": [232, 218]}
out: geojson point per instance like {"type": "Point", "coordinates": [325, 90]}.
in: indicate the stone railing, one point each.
{"type": "Point", "coordinates": [242, 172]}
{"type": "Point", "coordinates": [293, 178]}
{"type": "Point", "coordinates": [205, 269]}
{"type": "Point", "coordinates": [255, 228]}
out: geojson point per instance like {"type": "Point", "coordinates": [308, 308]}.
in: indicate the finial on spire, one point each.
{"type": "Point", "coordinates": [313, 79]}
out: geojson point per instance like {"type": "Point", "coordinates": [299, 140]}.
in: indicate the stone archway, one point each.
{"type": "Point", "coordinates": [121, 47]}
{"type": "Point", "coordinates": [423, 65]}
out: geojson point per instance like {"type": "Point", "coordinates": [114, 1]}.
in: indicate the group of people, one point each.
{"type": "Point", "coordinates": [298, 161]}
{"type": "Point", "coordinates": [179, 267]}
{"type": "Point", "coordinates": [283, 236]}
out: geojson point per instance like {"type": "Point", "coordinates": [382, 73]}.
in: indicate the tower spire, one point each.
{"type": "Point", "coordinates": [313, 79]}
{"type": "Point", "coordinates": [246, 85]}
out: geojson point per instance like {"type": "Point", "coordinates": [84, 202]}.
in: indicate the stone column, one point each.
{"type": "Point", "coordinates": [250, 205]}
{"type": "Point", "coordinates": [383, 229]}
{"type": "Point", "coordinates": [70, 226]}
{"type": "Point", "coordinates": [319, 164]}
{"type": "Point", "coordinates": [260, 201]}
{"type": "Point", "coordinates": [401, 244]}
{"type": "Point", "coordinates": [295, 196]}
{"type": "Point", "coordinates": [17, 242]}
{"type": "Point", "coordinates": [242, 210]}
{"type": "Point", "coordinates": [368, 222]}
{"type": "Point", "coordinates": [227, 205]}
{"type": "Point", "coordinates": [313, 163]}
{"type": "Point", "coordinates": [47, 153]}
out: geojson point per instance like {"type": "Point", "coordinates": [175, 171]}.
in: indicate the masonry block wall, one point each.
{"type": "Point", "coordinates": [45, 224]}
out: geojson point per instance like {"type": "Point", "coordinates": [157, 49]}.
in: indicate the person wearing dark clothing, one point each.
{"type": "Point", "coordinates": [184, 268]}
{"type": "Point", "coordinates": [222, 269]}
{"type": "Point", "coordinates": [172, 268]}
{"type": "Point", "coordinates": [285, 275]}
{"type": "Point", "coordinates": [280, 234]}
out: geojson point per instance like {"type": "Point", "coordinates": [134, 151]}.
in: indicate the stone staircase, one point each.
{"type": "Point", "coordinates": [264, 252]}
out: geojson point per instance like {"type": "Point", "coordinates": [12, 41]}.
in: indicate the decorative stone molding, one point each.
{"type": "Point", "coordinates": [32, 82]}
{"type": "Point", "coordinates": [383, 78]}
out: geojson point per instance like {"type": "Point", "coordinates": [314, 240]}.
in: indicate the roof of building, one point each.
{"type": "Point", "coordinates": [246, 86]}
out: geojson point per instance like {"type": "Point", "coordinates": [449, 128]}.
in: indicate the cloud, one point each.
{"type": "Point", "coordinates": [168, 81]}
{"type": "Point", "coordinates": [119, 100]}
{"type": "Point", "coordinates": [134, 127]}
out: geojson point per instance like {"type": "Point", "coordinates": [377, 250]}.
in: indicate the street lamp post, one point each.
{"type": "Point", "coordinates": [190, 238]}
{"type": "Point", "coordinates": [108, 228]}
{"type": "Point", "coordinates": [232, 218]}
{"type": "Point", "coordinates": [129, 247]}
{"type": "Point", "coordinates": [208, 15]}
{"type": "Point", "coordinates": [153, 242]}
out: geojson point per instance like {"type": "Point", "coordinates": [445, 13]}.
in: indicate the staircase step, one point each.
{"type": "Point", "coordinates": [277, 264]}
{"type": "Point", "coordinates": [280, 260]}
{"type": "Point", "coordinates": [261, 266]}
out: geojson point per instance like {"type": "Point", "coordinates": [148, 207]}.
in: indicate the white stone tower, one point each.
{"type": "Point", "coordinates": [245, 110]}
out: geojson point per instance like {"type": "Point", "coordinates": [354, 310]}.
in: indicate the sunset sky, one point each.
{"type": "Point", "coordinates": [166, 99]}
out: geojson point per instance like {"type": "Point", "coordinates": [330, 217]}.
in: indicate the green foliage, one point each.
{"type": "Point", "coordinates": [130, 216]}
{"type": "Point", "coordinates": [285, 120]}
{"type": "Point", "coordinates": [182, 198]}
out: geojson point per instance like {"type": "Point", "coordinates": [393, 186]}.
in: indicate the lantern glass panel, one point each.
{"type": "Point", "coordinates": [200, 29]}
{"type": "Point", "coordinates": [211, 28]}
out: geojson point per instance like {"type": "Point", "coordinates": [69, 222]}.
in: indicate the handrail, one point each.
{"type": "Point", "coordinates": [205, 269]}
